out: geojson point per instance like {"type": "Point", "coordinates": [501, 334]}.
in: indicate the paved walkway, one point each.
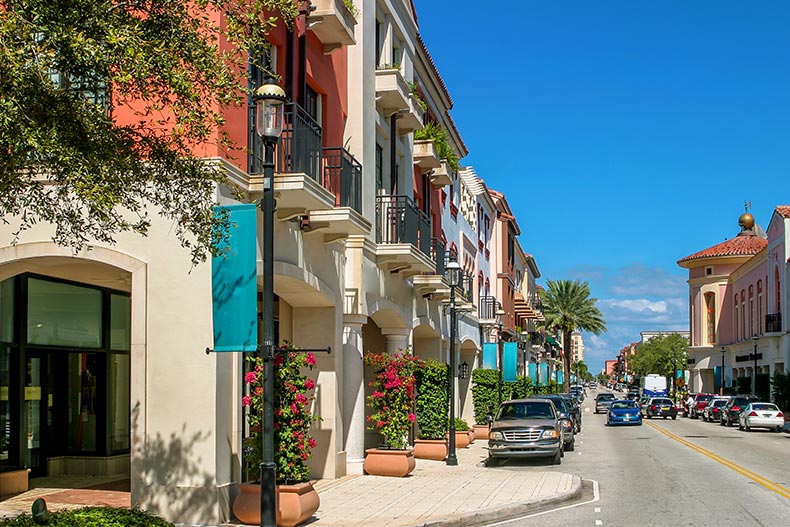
{"type": "Point", "coordinates": [439, 495]}
{"type": "Point", "coordinates": [433, 495]}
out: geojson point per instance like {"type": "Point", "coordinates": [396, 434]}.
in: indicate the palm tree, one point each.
{"type": "Point", "coordinates": [568, 307]}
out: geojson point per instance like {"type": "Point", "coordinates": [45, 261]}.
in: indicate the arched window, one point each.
{"type": "Point", "coordinates": [736, 325]}
{"type": "Point", "coordinates": [751, 310]}
{"type": "Point", "coordinates": [778, 305]}
{"type": "Point", "coordinates": [710, 320]}
{"type": "Point", "coordinates": [743, 314]}
{"type": "Point", "coordinates": [760, 317]}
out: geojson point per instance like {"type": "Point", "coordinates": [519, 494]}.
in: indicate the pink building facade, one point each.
{"type": "Point", "coordinates": [737, 295]}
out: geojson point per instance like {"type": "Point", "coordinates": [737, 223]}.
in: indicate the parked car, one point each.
{"type": "Point", "coordinates": [576, 411]}
{"type": "Point", "coordinates": [660, 407]}
{"type": "Point", "coordinates": [732, 410]}
{"type": "Point", "coordinates": [526, 428]}
{"type": "Point", "coordinates": [602, 401]}
{"type": "Point", "coordinates": [565, 408]}
{"type": "Point", "coordinates": [699, 403]}
{"type": "Point", "coordinates": [593, 385]}
{"type": "Point", "coordinates": [578, 391]}
{"type": "Point", "coordinates": [623, 412]}
{"type": "Point", "coordinates": [761, 415]}
{"type": "Point", "coordinates": [633, 393]}
{"type": "Point", "coordinates": [712, 412]}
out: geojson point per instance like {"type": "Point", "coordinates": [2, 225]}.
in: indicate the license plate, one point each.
{"type": "Point", "coordinates": [665, 407]}
{"type": "Point", "coordinates": [767, 415]}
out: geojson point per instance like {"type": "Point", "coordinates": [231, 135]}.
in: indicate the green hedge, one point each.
{"type": "Point", "coordinates": [92, 517]}
{"type": "Point", "coordinates": [484, 393]}
{"type": "Point", "coordinates": [433, 400]}
{"type": "Point", "coordinates": [781, 390]}
{"type": "Point", "coordinates": [461, 425]}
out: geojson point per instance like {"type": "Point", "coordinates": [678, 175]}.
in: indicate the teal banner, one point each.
{"type": "Point", "coordinates": [532, 373]}
{"type": "Point", "coordinates": [234, 286]}
{"type": "Point", "coordinates": [489, 355]}
{"type": "Point", "coordinates": [560, 377]}
{"type": "Point", "coordinates": [544, 374]}
{"type": "Point", "coordinates": [510, 361]}
{"type": "Point", "coordinates": [717, 377]}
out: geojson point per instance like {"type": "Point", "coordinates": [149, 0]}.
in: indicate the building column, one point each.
{"type": "Point", "coordinates": [354, 392]}
{"type": "Point", "coordinates": [397, 339]}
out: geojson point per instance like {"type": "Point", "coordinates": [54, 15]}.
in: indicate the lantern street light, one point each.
{"type": "Point", "coordinates": [500, 321]}
{"type": "Point", "coordinates": [268, 99]}
{"type": "Point", "coordinates": [463, 370]}
{"type": "Point", "coordinates": [453, 274]}
{"type": "Point", "coordinates": [755, 339]}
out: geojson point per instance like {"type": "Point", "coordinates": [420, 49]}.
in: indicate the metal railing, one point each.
{"type": "Point", "coordinates": [773, 323]}
{"type": "Point", "coordinates": [342, 176]}
{"type": "Point", "coordinates": [439, 255]}
{"type": "Point", "coordinates": [488, 308]}
{"type": "Point", "coordinates": [466, 289]}
{"type": "Point", "coordinates": [398, 220]}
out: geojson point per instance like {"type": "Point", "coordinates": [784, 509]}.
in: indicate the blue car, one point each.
{"type": "Point", "coordinates": [624, 412]}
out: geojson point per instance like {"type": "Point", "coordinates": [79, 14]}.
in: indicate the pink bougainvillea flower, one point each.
{"type": "Point", "coordinates": [300, 398]}
{"type": "Point", "coordinates": [246, 400]}
{"type": "Point", "coordinates": [309, 384]}
{"type": "Point", "coordinates": [251, 377]}
{"type": "Point", "coordinates": [411, 417]}
{"type": "Point", "coordinates": [311, 442]}
{"type": "Point", "coordinates": [310, 359]}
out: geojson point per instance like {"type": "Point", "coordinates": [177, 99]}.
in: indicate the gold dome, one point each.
{"type": "Point", "coordinates": [746, 221]}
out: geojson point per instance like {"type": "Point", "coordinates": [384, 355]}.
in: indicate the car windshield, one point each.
{"type": "Point", "coordinates": [619, 405]}
{"type": "Point", "coordinates": [604, 396]}
{"type": "Point", "coordinates": [662, 401]}
{"type": "Point", "coordinates": [765, 407]}
{"type": "Point", "coordinates": [718, 402]}
{"type": "Point", "coordinates": [704, 398]}
{"type": "Point", "coordinates": [526, 410]}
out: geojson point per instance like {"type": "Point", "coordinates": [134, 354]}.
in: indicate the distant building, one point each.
{"type": "Point", "coordinates": [647, 335]}
{"type": "Point", "coordinates": [577, 346]}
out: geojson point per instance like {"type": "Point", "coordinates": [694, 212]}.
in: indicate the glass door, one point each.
{"type": "Point", "coordinates": [38, 413]}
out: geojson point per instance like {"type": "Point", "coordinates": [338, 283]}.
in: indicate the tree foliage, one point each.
{"type": "Point", "coordinates": [567, 306]}
{"type": "Point", "coordinates": [66, 68]}
{"type": "Point", "coordinates": [661, 354]}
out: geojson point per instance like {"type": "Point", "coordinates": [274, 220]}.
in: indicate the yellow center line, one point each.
{"type": "Point", "coordinates": [768, 484]}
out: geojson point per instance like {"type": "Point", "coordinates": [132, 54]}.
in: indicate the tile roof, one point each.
{"type": "Point", "coordinates": [738, 246]}
{"type": "Point", "coordinates": [783, 210]}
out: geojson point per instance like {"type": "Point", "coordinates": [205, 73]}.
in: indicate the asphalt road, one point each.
{"type": "Point", "coordinates": [671, 473]}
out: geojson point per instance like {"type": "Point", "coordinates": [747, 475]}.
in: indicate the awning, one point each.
{"type": "Point", "coordinates": [551, 340]}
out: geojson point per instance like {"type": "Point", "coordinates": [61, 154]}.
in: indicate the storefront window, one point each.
{"type": "Point", "coordinates": [120, 323]}
{"type": "Point", "coordinates": [5, 407]}
{"type": "Point", "coordinates": [83, 407]}
{"type": "Point", "coordinates": [63, 315]}
{"type": "Point", "coordinates": [7, 310]}
{"type": "Point", "coordinates": [119, 402]}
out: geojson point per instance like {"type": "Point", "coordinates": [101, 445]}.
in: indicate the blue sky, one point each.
{"type": "Point", "coordinates": [626, 135]}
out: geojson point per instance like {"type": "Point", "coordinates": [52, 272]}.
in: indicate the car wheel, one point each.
{"type": "Point", "coordinates": [571, 446]}
{"type": "Point", "coordinates": [557, 459]}
{"type": "Point", "coordinates": [665, 417]}
{"type": "Point", "coordinates": [674, 417]}
{"type": "Point", "coordinates": [721, 422]}
{"type": "Point", "coordinates": [748, 428]}
{"type": "Point", "coordinates": [778, 429]}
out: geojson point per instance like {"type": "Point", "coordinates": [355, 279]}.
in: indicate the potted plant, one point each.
{"type": "Point", "coordinates": [297, 500]}
{"type": "Point", "coordinates": [461, 433]}
{"type": "Point", "coordinates": [433, 406]}
{"type": "Point", "coordinates": [484, 398]}
{"type": "Point", "coordinates": [391, 404]}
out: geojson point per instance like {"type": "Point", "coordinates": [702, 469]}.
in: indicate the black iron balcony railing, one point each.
{"type": "Point", "coordinates": [398, 220]}
{"type": "Point", "coordinates": [467, 286]}
{"type": "Point", "coordinates": [343, 178]}
{"type": "Point", "coordinates": [773, 323]}
{"type": "Point", "coordinates": [299, 148]}
{"type": "Point", "coordinates": [439, 255]}
{"type": "Point", "coordinates": [488, 308]}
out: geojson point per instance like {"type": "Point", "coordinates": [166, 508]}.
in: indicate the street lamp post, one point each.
{"type": "Point", "coordinates": [269, 99]}
{"type": "Point", "coordinates": [755, 338]}
{"type": "Point", "coordinates": [721, 380]}
{"type": "Point", "coordinates": [453, 277]}
{"type": "Point", "coordinates": [500, 318]}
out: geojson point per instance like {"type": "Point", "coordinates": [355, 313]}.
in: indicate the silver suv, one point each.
{"type": "Point", "coordinates": [525, 428]}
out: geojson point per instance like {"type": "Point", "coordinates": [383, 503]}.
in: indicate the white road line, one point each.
{"type": "Point", "coordinates": [597, 509]}
{"type": "Point", "coordinates": [596, 497]}
{"type": "Point", "coordinates": [598, 522]}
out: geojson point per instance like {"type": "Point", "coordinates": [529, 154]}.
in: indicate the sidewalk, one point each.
{"type": "Point", "coordinates": [439, 495]}
{"type": "Point", "coordinates": [433, 495]}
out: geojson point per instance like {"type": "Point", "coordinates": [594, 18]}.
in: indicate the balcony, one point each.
{"type": "Point", "coordinates": [440, 177]}
{"type": "Point", "coordinates": [332, 23]}
{"type": "Point", "coordinates": [773, 323]}
{"type": "Point", "coordinates": [341, 176]}
{"type": "Point", "coordinates": [432, 284]}
{"type": "Point", "coordinates": [487, 309]}
{"type": "Point", "coordinates": [410, 120]}
{"type": "Point", "coordinates": [425, 155]}
{"type": "Point", "coordinates": [392, 92]}
{"type": "Point", "coordinates": [403, 235]}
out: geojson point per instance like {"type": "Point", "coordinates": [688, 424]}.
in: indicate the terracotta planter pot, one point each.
{"type": "Point", "coordinates": [435, 449]}
{"type": "Point", "coordinates": [471, 436]}
{"type": "Point", "coordinates": [295, 504]}
{"type": "Point", "coordinates": [461, 439]}
{"type": "Point", "coordinates": [396, 463]}
{"type": "Point", "coordinates": [481, 431]}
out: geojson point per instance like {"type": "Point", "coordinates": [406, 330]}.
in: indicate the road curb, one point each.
{"type": "Point", "coordinates": [500, 513]}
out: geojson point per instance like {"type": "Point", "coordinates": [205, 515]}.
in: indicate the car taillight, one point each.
{"type": "Point", "coordinates": [736, 408]}
{"type": "Point", "coordinates": [674, 408]}
{"type": "Point", "coordinates": [752, 414]}
{"type": "Point", "coordinates": [653, 407]}
{"type": "Point", "coordinates": [780, 414]}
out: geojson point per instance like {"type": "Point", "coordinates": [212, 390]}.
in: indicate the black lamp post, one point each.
{"type": "Point", "coordinates": [755, 338]}
{"type": "Point", "coordinates": [500, 320]}
{"type": "Point", "coordinates": [453, 272]}
{"type": "Point", "coordinates": [721, 380]}
{"type": "Point", "coordinates": [269, 99]}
